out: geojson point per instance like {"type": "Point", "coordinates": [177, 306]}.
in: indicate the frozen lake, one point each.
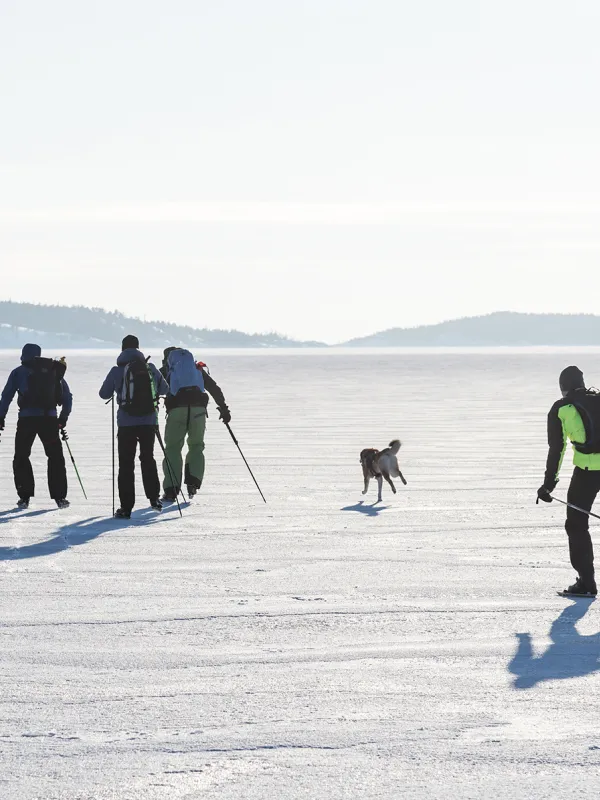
{"type": "Point", "coordinates": [318, 646]}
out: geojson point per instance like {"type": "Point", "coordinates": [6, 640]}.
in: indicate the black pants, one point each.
{"type": "Point", "coordinates": [47, 429]}
{"type": "Point", "coordinates": [128, 439]}
{"type": "Point", "coordinates": [584, 486]}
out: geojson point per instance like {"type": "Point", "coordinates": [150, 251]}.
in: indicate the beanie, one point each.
{"type": "Point", "coordinates": [130, 342]}
{"type": "Point", "coordinates": [571, 378]}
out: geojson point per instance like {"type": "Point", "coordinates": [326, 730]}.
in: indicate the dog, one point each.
{"type": "Point", "coordinates": [381, 464]}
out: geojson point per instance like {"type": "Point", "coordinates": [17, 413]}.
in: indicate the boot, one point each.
{"type": "Point", "coordinates": [170, 495]}
{"type": "Point", "coordinates": [581, 589]}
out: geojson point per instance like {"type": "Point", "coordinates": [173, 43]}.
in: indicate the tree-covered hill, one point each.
{"type": "Point", "coordinates": [503, 328]}
{"type": "Point", "coordinates": [78, 326]}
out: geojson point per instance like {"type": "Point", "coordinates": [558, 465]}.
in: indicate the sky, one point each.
{"type": "Point", "coordinates": [320, 168]}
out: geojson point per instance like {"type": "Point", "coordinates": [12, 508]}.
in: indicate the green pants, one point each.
{"type": "Point", "coordinates": [182, 421]}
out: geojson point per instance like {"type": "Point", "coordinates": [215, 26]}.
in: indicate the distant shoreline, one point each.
{"type": "Point", "coordinates": [95, 329]}
{"type": "Point", "coordinates": [331, 350]}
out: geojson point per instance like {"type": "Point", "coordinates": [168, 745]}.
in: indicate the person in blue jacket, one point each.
{"type": "Point", "coordinates": [128, 381]}
{"type": "Point", "coordinates": [35, 420]}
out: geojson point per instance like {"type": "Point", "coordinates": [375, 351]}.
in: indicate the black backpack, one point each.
{"type": "Point", "coordinates": [588, 405]}
{"type": "Point", "coordinates": [44, 384]}
{"type": "Point", "coordinates": [138, 396]}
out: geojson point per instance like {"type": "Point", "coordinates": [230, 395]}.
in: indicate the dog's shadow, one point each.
{"type": "Point", "coordinates": [372, 510]}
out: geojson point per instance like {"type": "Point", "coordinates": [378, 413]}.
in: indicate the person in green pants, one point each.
{"type": "Point", "coordinates": [186, 406]}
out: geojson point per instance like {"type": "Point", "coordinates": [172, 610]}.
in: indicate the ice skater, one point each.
{"type": "Point", "coordinates": [137, 385]}
{"type": "Point", "coordinates": [186, 405]}
{"type": "Point", "coordinates": [40, 387]}
{"type": "Point", "coordinates": [576, 417]}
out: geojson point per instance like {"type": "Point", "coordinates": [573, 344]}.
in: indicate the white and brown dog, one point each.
{"type": "Point", "coordinates": [381, 464]}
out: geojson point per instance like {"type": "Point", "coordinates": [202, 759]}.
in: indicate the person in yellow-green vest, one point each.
{"type": "Point", "coordinates": [576, 417]}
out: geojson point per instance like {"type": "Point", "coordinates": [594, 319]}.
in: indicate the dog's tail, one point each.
{"type": "Point", "coordinates": [395, 445]}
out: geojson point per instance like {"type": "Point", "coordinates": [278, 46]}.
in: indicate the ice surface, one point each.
{"type": "Point", "coordinates": [318, 646]}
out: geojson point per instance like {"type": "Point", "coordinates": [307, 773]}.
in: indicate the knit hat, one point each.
{"type": "Point", "coordinates": [130, 342]}
{"type": "Point", "coordinates": [571, 378]}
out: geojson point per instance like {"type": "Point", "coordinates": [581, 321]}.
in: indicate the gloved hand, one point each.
{"type": "Point", "coordinates": [62, 422]}
{"type": "Point", "coordinates": [1, 423]}
{"type": "Point", "coordinates": [225, 414]}
{"type": "Point", "coordinates": [543, 494]}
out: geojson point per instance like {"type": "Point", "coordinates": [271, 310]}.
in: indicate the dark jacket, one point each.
{"type": "Point", "coordinates": [17, 383]}
{"type": "Point", "coordinates": [573, 418]}
{"type": "Point", "coordinates": [113, 384]}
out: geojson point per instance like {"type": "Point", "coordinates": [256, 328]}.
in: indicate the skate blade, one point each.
{"type": "Point", "coordinates": [573, 594]}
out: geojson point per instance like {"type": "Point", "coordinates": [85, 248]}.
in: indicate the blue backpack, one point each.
{"type": "Point", "coordinates": [182, 372]}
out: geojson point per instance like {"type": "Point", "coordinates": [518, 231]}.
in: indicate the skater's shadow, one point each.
{"type": "Point", "coordinates": [72, 535]}
{"type": "Point", "coordinates": [570, 655]}
{"type": "Point", "coordinates": [18, 514]}
{"type": "Point", "coordinates": [170, 507]}
{"type": "Point", "coordinates": [370, 510]}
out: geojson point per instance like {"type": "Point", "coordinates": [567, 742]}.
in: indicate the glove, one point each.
{"type": "Point", "coordinates": [62, 422]}
{"type": "Point", "coordinates": [543, 494]}
{"type": "Point", "coordinates": [224, 414]}
{"type": "Point", "coordinates": [1, 423]}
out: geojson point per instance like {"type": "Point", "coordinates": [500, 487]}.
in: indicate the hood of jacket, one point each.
{"type": "Point", "coordinates": [30, 351]}
{"type": "Point", "coordinates": [131, 354]}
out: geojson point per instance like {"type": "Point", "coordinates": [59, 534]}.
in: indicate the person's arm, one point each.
{"type": "Point", "coordinates": [213, 388]}
{"type": "Point", "coordinates": [557, 444]}
{"type": "Point", "coordinates": [108, 387]}
{"type": "Point", "coordinates": [7, 395]}
{"type": "Point", "coordinates": [162, 387]}
{"type": "Point", "coordinates": [67, 403]}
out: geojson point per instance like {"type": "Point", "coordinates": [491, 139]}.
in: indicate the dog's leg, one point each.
{"type": "Point", "coordinates": [367, 479]}
{"type": "Point", "coordinates": [379, 488]}
{"type": "Point", "coordinates": [389, 480]}
{"type": "Point", "coordinates": [402, 478]}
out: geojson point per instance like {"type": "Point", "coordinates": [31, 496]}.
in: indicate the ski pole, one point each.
{"type": "Point", "coordinates": [575, 508]}
{"type": "Point", "coordinates": [113, 450]}
{"type": "Point", "coordinates": [169, 466]}
{"type": "Point", "coordinates": [112, 400]}
{"type": "Point", "coordinates": [171, 473]}
{"type": "Point", "coordinates": [235, 441]}
{"type": "Point", "coordinates": [65, 438]}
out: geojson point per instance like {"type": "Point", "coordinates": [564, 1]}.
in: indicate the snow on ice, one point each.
{"type": "Point", "coordinates": [319, 646]}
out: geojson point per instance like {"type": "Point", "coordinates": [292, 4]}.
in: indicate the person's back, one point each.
{"type": "Point", "coordinates": [186, 381]}
{"type": "Point", "coordinates": [132, 365]}
{"type": "Point", "coordinates": [40, 387]}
